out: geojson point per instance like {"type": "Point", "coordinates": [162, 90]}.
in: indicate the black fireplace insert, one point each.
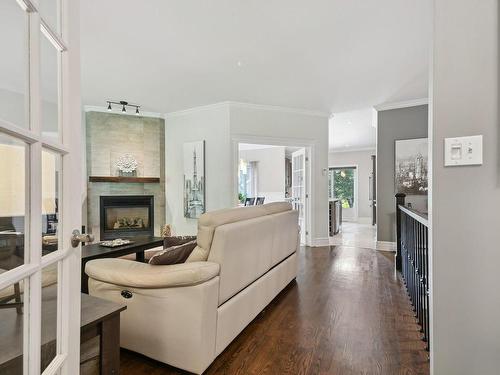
{"type": "Point", "coordinates": [123, 216]}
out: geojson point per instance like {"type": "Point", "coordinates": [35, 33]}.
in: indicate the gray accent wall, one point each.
{"type": "Point", "coordinates": [392, 125]}
{"type": "Point", "coordinates": [465, 204]}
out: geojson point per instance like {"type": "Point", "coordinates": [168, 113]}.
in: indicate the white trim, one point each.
{"type": "Point", "coordinates": [308, 144]}
{"type": "Point", "coordinates": [364, 220]}
{"type": "Point", "coordinates": [17, 274]}
{"type": "Point", "coordinates": [52, 37]}
{"type": "Point", "coordinates": [95, 108]}
{"type": "Point", "coordinates": [320, 242]}
{"type": "Point", "coordinates": [27, 6]}
{"type": "Point", "coordinates": [333, 151]}
{"type": "Point", "coordinates": [386, 246]}
{"type": "Point", "coordinates": [55, 146]}
{"type": "Point", "coordinates": [297, 111]}
{"type": "Point", "coordinates": [415, 216]}
{"type": "Point", "coordinates": [54, 366]}
{"type": "Point", "coordinates": [188, 111]}
{"type": "Point", "coordinates": [403, 104]}
{"type": "Point", "coordinates": [23, 134]}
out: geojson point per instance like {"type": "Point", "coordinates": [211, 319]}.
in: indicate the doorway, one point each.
{"type": "Point", "coordinates": [267, 172]}
{"type": "Point", "coordinates": [343, 185]}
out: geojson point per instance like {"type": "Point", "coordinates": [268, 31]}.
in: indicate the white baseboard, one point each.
{"type": "Point", "coordinates": [322, 241]}
{"type": "Point", "coordinates": [386, 246]}
{"type": "Point", "coordinates": [364, 220]}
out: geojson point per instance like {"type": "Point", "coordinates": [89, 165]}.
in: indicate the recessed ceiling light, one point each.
{"type": "Point", "coordinates": [239, 63]}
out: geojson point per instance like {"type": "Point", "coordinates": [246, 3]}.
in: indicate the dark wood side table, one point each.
{"type": "Point", "coordinates": [102, 318]}
{"type": "Point", "coordinates": [98, 317]}
{"type": "Point", "coordinates": [96, 251]}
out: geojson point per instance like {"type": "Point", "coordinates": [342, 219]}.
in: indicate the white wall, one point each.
{"type": "Point", "coordinates": [296, 127]}
{"type": "Point", "coordinates": [271, 171]}
{"type": "Point", "coordinates": [211, 124]}
{"type": "Point", "coordinates": [465, 201]}
{"type": "Point", "coordinates": [221, 125]}
{"type": "Point", "coordinates": [361, 159]}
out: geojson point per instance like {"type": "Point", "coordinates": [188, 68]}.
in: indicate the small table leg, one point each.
{"type": "Point", "coordinates": [139, 256]}
{"type": "Point", "coordinates": [110, 345]}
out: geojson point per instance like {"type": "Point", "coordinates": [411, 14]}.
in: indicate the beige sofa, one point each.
{"type": "Point", "coordinates": [187, 314]}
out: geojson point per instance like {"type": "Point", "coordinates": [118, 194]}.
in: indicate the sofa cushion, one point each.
{"type": "Point", "coordinates": [199, 254]}
{"type": "Point", "coordinates": [173, 254]}
{"type": "Point", "coordinates": [209, 221]}
{"type": "Point", "coordinates": [142, 275]}
{"type": "Point", "coordinates": [170, 241]}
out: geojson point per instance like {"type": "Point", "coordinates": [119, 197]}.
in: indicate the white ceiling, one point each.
{"type": "Point", "coordinates": [328, 55]}
{"type": "Point", "coordinates": [354, 130]}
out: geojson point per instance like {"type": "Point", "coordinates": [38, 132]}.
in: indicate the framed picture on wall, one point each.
{"type": "Point", "coordinates": [411, 166]}
{"type": "Point", "coordinates": [194, 179]}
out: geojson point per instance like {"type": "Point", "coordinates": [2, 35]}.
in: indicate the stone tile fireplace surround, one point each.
{"type": "Point", "coordinates": [109, 136]}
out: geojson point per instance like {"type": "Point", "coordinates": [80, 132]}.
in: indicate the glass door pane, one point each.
{"type": "Point", "coordinates": [49, 86]}
{"type": "Point", "coordinates": [51, 177]}
{"type": "Point", "coordinates": [13, 155]}
{"type": "Point", "coordinates": [13, 64]}
{"type": "Point", "coordinates": [49, 11]}
{"type": "Point", "coordinates": [12, 319]}
{"type": "Point", "coordinates": [49, 315]}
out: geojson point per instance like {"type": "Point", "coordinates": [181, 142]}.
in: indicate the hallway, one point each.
{"type": "Point", "coordinates": [346, 314]}
{"type": "Point", "coordinates": [357, 235]}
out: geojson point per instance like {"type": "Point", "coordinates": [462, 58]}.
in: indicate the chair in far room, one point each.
{"type": "Point", "coordinates": [249, 201]}
{"type": "Point", "coordinates": [260, 201]}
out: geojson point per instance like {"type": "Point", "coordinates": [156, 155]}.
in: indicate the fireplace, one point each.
{"type": "Point", "coordinates": [126, 216]}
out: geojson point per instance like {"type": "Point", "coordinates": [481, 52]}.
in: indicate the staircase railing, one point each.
{"type": "Point", "coordinates": [412, 260]}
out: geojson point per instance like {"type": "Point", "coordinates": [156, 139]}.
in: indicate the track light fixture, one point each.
{"type": "Point", "coordinates": [124, 105]}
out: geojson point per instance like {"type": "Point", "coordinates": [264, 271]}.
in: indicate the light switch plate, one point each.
{"type": "Point", "coordinates": [463, 151]}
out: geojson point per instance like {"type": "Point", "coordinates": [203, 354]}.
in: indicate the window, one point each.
{"type": "Point", "coordinates": [248, 177]}
{"type": "Point", "coordinates": [341, 185]}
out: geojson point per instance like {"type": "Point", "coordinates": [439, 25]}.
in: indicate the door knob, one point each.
{"type": "Point", "coordinates": [76, 238]}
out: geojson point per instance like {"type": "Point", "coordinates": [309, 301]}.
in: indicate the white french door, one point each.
{"type": "Point", "coordinates": [299, 189]}
{"type": "Point", "coordinates": [40, 187]}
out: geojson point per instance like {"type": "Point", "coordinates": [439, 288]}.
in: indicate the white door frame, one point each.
{"type": "Point", "coordinates": [68, 147]}
{"type": "Point", "coordinates": [356, 195]}
{"type": "Point", "coordinates": [307, 144]}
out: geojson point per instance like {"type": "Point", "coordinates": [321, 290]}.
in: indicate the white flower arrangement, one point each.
{"type": "Point", "coordinates": [126, 163]}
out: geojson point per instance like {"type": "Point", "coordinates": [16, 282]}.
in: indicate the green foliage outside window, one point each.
{"type": "Point", "coordinates": [341, 184]}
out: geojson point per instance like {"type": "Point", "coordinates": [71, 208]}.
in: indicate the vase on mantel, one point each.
{"type": "Point", "coordinates": [127, 174]}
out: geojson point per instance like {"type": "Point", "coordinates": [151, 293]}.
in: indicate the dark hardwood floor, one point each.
{"type": "Point", "coordinates": [347, 313]}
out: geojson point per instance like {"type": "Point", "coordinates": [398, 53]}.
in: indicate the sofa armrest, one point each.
{"type": "Point", "coordinates": [142, 275]}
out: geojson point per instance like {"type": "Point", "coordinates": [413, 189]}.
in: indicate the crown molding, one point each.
{"type": "Point", "coordinates": [357, 149]}
{"type": "Point", "coordinates": [298, 111]}
{"type": "Point", "coordinates": [261, 107]}
{"type": "Point", "coordinates": [184, 112]}
{"type": "Point", "coordinates": [404, 104]}
{"type": "Point", "coordinates": [95, 108]}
